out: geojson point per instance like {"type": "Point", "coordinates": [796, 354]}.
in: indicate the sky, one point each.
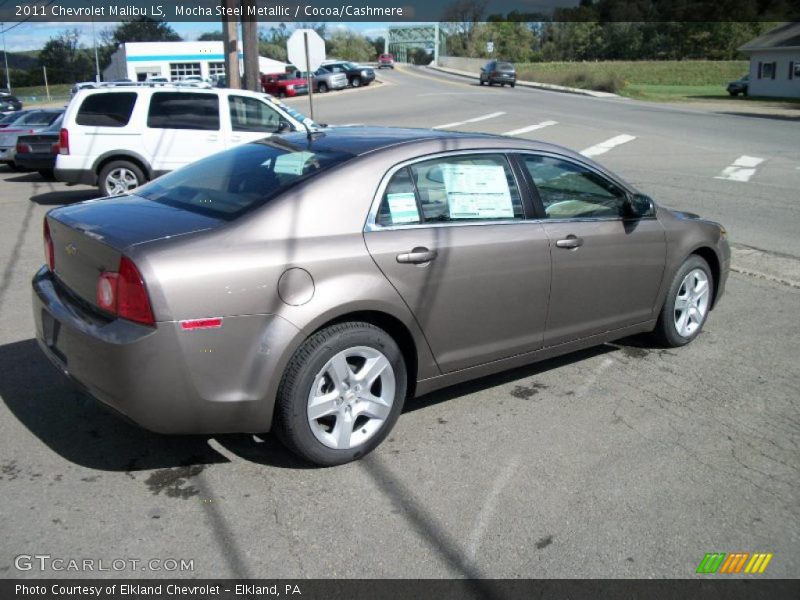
{"type": "Point", "coordinates": [32, 36]}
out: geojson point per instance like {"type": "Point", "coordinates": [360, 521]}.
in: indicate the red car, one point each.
{"type": "Point", "coordinates": [386, 60]}
{"type": "Point", "coordinates": [283, 85]}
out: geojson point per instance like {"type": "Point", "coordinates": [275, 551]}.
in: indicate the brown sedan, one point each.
{"type": "Point", "coordinates": [311, 283]}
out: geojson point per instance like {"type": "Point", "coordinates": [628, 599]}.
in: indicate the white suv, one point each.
{"type": "Point", "coordinates": [119, 138]}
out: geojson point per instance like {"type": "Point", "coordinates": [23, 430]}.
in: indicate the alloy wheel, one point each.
{"type": "Point", "coordinates": [691, 303]}
{"type": "Point", "coordinates": [120, 181]}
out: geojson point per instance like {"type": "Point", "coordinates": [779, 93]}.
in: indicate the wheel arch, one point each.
{"type": "Point", "coordinates": [710, 256]}
{"type": "Point", "coordinates": [113, 155]}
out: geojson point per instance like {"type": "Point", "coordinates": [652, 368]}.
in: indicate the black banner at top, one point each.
{"type": "Point", "coordinates": [399, 11]}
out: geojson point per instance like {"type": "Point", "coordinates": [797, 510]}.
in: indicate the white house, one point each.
{"type": "Point", "coordinates": [139, 60]}
{"type": "Point", "coordinates": [775, 62]}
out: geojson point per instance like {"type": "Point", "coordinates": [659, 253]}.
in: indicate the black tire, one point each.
{"type": "Point", "coordinates": [666, 332]}
{"type": "Point", "coordinates": [512, 84]}
{"type": "Point", "coordinates": [323, 87]}
{"type": "Point", "coordinates": [47, 174]}
{"type": "Point", "coordinates": [281, 94]}
{"type": "Point", "coordinates": [480, 81]}
{"type": "Point", "coordinates": [14, 166]}
{"type": "Point", "coordinates": [102, 177]}
{"type": "Point", "coordinates": [291, 419]}
{"type": "Point", "coordinates": [502, 84]}
{"type": "Point", "coordinates": [356, 82]}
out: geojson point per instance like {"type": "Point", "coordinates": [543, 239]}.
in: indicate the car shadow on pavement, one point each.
{"type": "Point", "coordinates": [82, 431]}
{"type": "Point", "coordinates": [33, 177]}
{"type": "Point", "coordinates": [62, 197]}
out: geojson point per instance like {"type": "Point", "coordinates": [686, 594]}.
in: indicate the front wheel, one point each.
{"type": "Point", "coordinates": [341, 394]}
{"type": "Point", "coordinates": [323, 87]}
{"type": "Point", "coordinates": [356, 82]}
{"type": "Point", "coordinates": [119, 177]}
{"type": "Point", "coordinates": [687, 304]}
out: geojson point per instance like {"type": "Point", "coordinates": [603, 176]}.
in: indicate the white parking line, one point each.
{"type": "Point", "coordinates": [475, 120]}
{"type": "Point", "coordinates": [522, 130]}
{"type": "Point", "coordinates": [742, 169]}
{"type": "Point", "coordinates": [604, 147]}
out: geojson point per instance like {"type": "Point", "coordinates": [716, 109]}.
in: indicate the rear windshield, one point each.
{"type": "Point", "coordinates": [38, 118]}
{"type": "Point", "coordinates": [231, 183]}
{"type": "Point", "coordinates": [505, 67]}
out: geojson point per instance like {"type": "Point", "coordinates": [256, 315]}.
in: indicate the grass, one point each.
{"type": "Point", "coordinates": [38, 95]}
{"type": "Point", "coordinates": [667, 80]}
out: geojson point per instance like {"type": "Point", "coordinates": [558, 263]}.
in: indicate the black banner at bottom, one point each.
{"type": "Point", "coordinates": [394, 589]}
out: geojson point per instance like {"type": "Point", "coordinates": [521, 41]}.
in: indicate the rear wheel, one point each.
{"type": "Point", "coordinates": [47, 174]}
{"type": "Point", "coordinates": [687, 304]}
{"type": "Point", "coordinates": [119, 177]}
{"type": "Point", "coordinates": [341, 394]}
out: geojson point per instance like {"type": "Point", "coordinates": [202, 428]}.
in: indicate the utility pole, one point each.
{"type": "Point", "coordinates": [96, 60]}
{"type": "Point", "coordinates": [5, 57]}
{"type": "Point", "coordinates": [46, 87]}
{"type": "Point", "coordinates": [252, 76]}
{"type": "Point", "coordinates": [230, 40]}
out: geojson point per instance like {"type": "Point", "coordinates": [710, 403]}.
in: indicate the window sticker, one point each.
{"type": "Point", "coordinates": [293, 163]}
{"type": "Point", "coordinates": [403, 207]}
{"type": "Point", "coordinates": [477, 191]}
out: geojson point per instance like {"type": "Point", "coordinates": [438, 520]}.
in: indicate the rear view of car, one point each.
{"type": "Point", "coordinates": [386, 60]}
{"type": "Point", "coordinates": [38, 151]}
{"type": "Point", "coordinates": [498, 72]}
{"type": "Point", "coordinates": [32, 122]}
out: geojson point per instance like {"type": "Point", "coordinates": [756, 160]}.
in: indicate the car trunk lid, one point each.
{"type": "Point", "coordinates": [90, 237]}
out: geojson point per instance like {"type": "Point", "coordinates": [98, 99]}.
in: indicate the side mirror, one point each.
{"type": "Point", "coordinates": [639, 205]}
{"type": "Point", "coordinates": [283, 126]}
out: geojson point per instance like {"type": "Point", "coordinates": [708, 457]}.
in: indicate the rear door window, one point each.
{"type": "Point", "coordinates": [106, 110]}
{"type": "Point", "coordinates": [180, 110]}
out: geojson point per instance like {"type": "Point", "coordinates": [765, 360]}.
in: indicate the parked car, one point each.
{"type": "Point", "coordinates": [118, 138]}
{"type": "Point", "coordinates": [282, 85]}
{"type": "Point", "coordinates": [9, 103]}
{"type": "Point", "coordinates": [233, 295]}
{"type": "Point", "coordinates": [193, 81]}
{"type": "Point", "coordinates": [356, 74]}
{"type": "Point", "coordinates": [38, 151]}
{"type": "Point", "coordinates": [496, 71]}
{"type": "Point", "coordinates": [8, 119]}
{"type": "Point", "coordinates": [157, 80]}
{"type": "Point", "coordinates": [32, 122]}
{"type": "Point", "coordinates": [324, 80]}
{"type": "Point", "coordinates": [739, 86]}
{"type": "Point", "coordinates": [386, 60]}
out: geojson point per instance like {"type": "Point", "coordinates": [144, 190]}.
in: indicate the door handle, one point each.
{"type": "Point", "coordinates": [417, 256]}
{"type": "Point", "coordinates": [571, 242]}
{"type": "Point", "coordinates": [212, 138]}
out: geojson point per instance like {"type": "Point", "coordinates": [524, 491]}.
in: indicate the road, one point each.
{"type": "Point", "coordinates": [620, 461]}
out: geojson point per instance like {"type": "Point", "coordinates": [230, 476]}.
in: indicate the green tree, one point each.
{"type": "Point", "coordinates": [348, 45]}
{"type": "Point", "coordinates": [210, 36]}
{"type": "Point", "coordinates": [65, 60]}
{"type": "Point", "coordinates": [144, 30]}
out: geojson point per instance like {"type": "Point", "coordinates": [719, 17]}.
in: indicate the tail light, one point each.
{"type": "Point", "coordinates": [23, 148]}
{"type": "Point", "coordinates": [49, 250]}
{"type": "Point", "coordinates": [63, 141]}
{"type": "Point", "coordinates": [124, 294]}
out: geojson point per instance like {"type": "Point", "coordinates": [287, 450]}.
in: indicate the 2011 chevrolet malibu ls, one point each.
{"type": "Point", "coordinates": [311, 283]}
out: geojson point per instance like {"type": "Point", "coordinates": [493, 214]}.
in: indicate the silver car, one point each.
{"type": "Point", "coordinates": [32, 122]}
{"type": "Point", "coordinates": [311, 283]}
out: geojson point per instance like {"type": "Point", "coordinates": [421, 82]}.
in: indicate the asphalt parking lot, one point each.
{"type": "Point", "coordinates": [619, 461]}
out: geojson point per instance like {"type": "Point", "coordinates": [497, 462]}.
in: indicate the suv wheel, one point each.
{"type": "Point", "coordinates": [323, 87]}
{"type": "Point", "coordinates": [356, 82]}
{"type": "Point", "coordinates": [119, 177]}
{"type": "Point", "coordinates": [341, 393]}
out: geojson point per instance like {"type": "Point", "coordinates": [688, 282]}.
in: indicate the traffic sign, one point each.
{"type": "Point", "coordinates": [297, 53]}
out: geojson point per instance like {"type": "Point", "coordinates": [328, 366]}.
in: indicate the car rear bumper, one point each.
{"type": "Point", "coordinates": [33, 161]}
{"type": "Point", "coordinates": [164, 378]}
{"type": "Point", "coordinates": [84, 176]}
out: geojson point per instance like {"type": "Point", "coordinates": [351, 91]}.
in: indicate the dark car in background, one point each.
{"type": "Point", "coordinates": [38, 151]}
{"type": "Point", "coordinates": [8, 119]}
{"type": "Point", "coordinates": [9, 103]}
{"type": "Point", "coordinates": [497, 71]}
{"type": "Point", "coordinates": [32, 122]}
{"type": "Point", "coordinates": [356, 74]}
{"type": "Point", "coordinates": [739, 86]}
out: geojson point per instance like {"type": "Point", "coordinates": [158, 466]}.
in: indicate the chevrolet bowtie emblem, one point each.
{"type": "Point", "coordinates": [71, 249]}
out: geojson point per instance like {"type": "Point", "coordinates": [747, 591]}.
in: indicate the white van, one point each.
{"type": "Point", "coordinates": [119, 138]}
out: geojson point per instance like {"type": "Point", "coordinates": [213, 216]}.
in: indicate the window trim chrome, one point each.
{"type": "Point", "coordinates": [371, 224]}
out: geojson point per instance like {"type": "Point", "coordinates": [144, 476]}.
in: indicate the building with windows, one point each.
{"type": "Point", "coordinates": [139, 61]}
{"type": "Point", "coordinates": [775, 62]}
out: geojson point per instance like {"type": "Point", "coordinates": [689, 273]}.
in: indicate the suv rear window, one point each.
{"type": "Point", "coordinates": [181, 110]}
{"type": "Point", "coordinates": [106, 110]}
{"type": "Point", "coordinates": [238, 180]}
{"type": "Point", "coordinates": [503, 66]}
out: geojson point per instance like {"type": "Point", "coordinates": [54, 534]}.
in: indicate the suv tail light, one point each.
{"type": "Point", "coordinates": [124, 294]}
{"type": "Point", "coordinates": [49, 250]}
{"type": "Point", "coordinates": [63, 141]}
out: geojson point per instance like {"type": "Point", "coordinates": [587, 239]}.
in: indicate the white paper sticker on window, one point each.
{"type": "Point", "coordinates": [403, 207]}
{"type": "Point", "coordinates": [477, 192]}
{"type": "Point", "coordinates": [293, 163]}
